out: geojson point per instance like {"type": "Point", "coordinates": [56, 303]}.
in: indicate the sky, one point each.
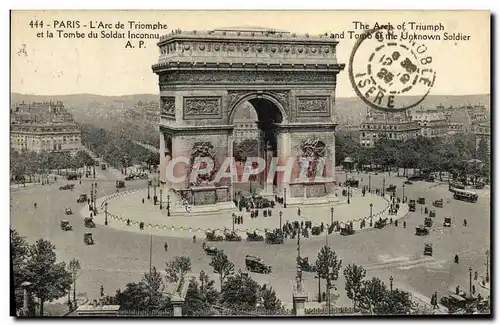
{"type": "Point", "coordinates": [59, 66]}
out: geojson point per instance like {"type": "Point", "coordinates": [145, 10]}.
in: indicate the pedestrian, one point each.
{"type": "Point", "coordinates": [473, 289]}
{"type": "Point", "coordinates": [166, 246]}
{"type": "Point", "coordinates": [396, 223]}
{"type": "Point", "coordinates": [102, 290]}
{"type": "Point", "coordinates": [475, 276]}
{"type": "Point", "coordinates": [465, 222]}
{"type": "Point", "coordinates": [91, 215]}
{"type": "Point", "coordinates": [457, 290]}
{"type": "Point", "coordinates": [404, 224]}
{"type": "Point", "coordinates": [298, 211]}
{"type": "Point", "coordinates": [143, 200]}
{"type": "Point", "coordinates": [194, 238]}
{"type": "Point", "coordinates": [34, 205]}
{"type": "Point", "coordinates": [456, 258]}
{"type": "Point", "coordinates": [128, 222]}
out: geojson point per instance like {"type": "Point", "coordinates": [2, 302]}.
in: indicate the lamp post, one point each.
{"type": "Point", "coordinates": [106, 213]}
{"type": "Point", "coordinates": [369, 183]}
{"type": "Point", "coordinates": [161, 198]}
{"type": "Point", "coordinates": [95, 199]}
{"type": "Point", "coordinates": [391, 279]}
{"type": "Point", "coordinates": [234, 218]}
{"type": "Point", "coordinates": [284, 198]}
{"type": "Point", "coordinates": [149, 184]}
{"type": "Point", "coordinates": [348, 194]}
{"type": "Point", "coordinates": [383, 187]}
{"type": "Point", "coordinates": [403, 193]}
{"type": "Point", "coordinates": [168, 205]}
{"type": "Point", "coordinates": [281, 214]}
{"type": "Point", "coordinates": [470, 281]}
{"type": "Point", "coordinates": [371, 214]}
{"type": "Point", "coordinates": [91, 195]}
{"type": "Point", "coordinates": [487, 266]}
{"type": "Point", "coordinates": [331, 216]}
{"type": "Point", "coordinates": [154, 193]}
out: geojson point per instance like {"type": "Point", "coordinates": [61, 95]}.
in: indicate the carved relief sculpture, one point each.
{"type": "Point", "coordinates": [313, 150]}
{"type": "Point", "coordinates": [167, 105]}
{"type": "Point", "coordinates": [202, 149]}
{"type": "Point", "coordinates": [202, 107]}
{"type": "Point", "coordinates": [313, 106]}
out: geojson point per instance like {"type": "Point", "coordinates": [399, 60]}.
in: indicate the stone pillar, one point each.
{"type": "Point", "coordinates": [268, 184]}
{"type": "Point", "coordinates": [177, 302]}
{"type": "Point", "coordinates": [299, 303]}
{"type": "Point", "coordinates": [230, 144]}
{"type": "Point", "coordinates": [168, 157]}
{"type": "Point", "coordinates": [284, 153]}
{"type": "Point", "coordinates": [163, 165]}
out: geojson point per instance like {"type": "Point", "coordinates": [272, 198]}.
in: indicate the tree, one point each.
{"type": "Point", "coordinates": [222, 266]}
{"type": "Point", "coordinates": [328, 266]}
{"type": "Point", "coordinates": [394, 302]}
{"type": "Point", "coordinates": [483, 150]}
{"type": "Point", "coordinates": [372, 292]}
{"type": "Point", "coordinates": [19, 251]}
{"type": "Point", "coordinates": [200, 296]}
{"type": "Point", "coordinates": [153, 280]}
{"type": "Point", "coordinates": [271, 303]}
{"type": "Point", "coordinates": [239, 293]}
{"type": "Point", "coordinates": [177, 268]}
{"type": "Point", "coordinates": [354, 275]}
{"type": "Point", "coordinates": [74, 268]}
{"type": "Point", "coordinates": [50, 280]}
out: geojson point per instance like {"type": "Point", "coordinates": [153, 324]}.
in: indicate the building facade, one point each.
{"type": "Point", "coordinates": [43, 126]}
{"type": "Point", "coordinates": [482, 129]}
{"type": "Point", "coordinates": [432, 123]}
{"type": "Point", "coordinates": [396, 126]}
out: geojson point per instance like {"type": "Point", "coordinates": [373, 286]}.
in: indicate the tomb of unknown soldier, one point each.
{"type": "Point", "coordinates": [290, 81]}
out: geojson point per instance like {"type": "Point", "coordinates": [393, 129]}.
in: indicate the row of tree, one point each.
{"type": "Point", "coordinates": [116, 148]}
{"type": "Point", "coordinates": [450, 154]}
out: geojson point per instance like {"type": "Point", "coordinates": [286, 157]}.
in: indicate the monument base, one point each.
{"type": "Point", "coordinates": [202, 200]}
{"type": "Point", "coordinates": [312, 193]}
{"type": "Point", "coordinates": [220, 208]}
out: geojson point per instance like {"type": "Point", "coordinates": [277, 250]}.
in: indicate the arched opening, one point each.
{"type": "Point", "coordinates": [254, 135]}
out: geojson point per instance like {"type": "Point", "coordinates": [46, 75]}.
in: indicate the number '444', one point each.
{"type": "Point", "coordinates": [36, 24]}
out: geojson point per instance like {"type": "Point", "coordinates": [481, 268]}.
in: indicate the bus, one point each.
{"type": "Point", "coordinates": [465, 195]}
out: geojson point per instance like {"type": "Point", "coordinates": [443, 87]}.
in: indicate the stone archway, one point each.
{"type": "Point", "coordinates": [204, 75]}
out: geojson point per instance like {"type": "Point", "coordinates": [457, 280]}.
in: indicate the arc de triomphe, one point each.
{"type": "Point", "coordinates": [289, 79]}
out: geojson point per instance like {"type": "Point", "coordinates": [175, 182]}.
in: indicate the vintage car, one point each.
{"type": "Point", "coordinates": [256, 264]}
{"type": "Point", "coordinates": [391, 188]}
{"type": "Point", "coordinates": [432, 213]}
{"type": "Point", "coordinates": [65, 226]}
{"type": "Point", "coordinates": [421, 230]}
{"type": "Point", "coordinates": [72, 176]}
{"type": "Point", "coordinates": [67, 187]}
{"type": "Point", "coordinates": [254, 236]}
{"type": "Point", "coordinates": [428, 222]}
{"type": "Point", "coordinates": [412, 205]}
{"type": "Point", "coordinates": [316, 230]}
{"type": "Point", "coordinates": [120, 184]}
{"type": "Point", "coordinates": [454, 302]}
{"type": "Point", "coordinates": [408, 182]}
{"type": "Point", "coordinates": [209, 250]}
{"type": "Point", "coordinates": [352, 183]}
{"type": "Point", "coordinates": [103, 166]}
{"type": "Point", "coordinates": [87, 238]}
{"type": "Point", "coordinates": [231, 236]}
{"type": "Point", "coordinates": [429, 178]}
{"type": "Point", "coordinates": [274, 237]}
{"type": "Point", "coordinates": [438, 203]}
{"type": "Point", "coordinates": [347, 230]}
{"type": "Point", "coordinates": [89, 222]}
{"type": "Point", "coordinates": [129, 177]}
{"type": "Point", "coordinates": [421, 201]}
{"type": "Point", "coordinates": [82, 199]}
{"type": "Point", "coordinates": [304, 265]}
{"type": "Point", "coordinates": [214, 236]}
{"type": "Point", "coordinates": [428, 249]}
{"type": "Point", "coordinates": [380, 223]}
{"type": "Point", "coordinates": [479, 185]}
{"type": "Point", "coordinates": [447, 222]}
{"type": "Point", "coordinates": [68, 211]}
{"type": "Point", "coordinates": [416, 177]}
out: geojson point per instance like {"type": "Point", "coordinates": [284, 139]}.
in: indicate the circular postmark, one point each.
{"type": "Point", "coordinates": [390, 75]}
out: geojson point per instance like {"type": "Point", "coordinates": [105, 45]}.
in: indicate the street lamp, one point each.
{"type": "Point", "coordinates": [331, 216]}
{"type": "Point", "coordinates": [348, 194]}
{"type": "Point", "coordinates": [487, 266]}
{"type": "Point", "coordinates": [161, 198]}
{"type": "Point", "coordinates": [95, 199]}
{"type": "Point", "coordinates": [105, 213]}
{"type": "Point", "coordinates": [284, 198]}
{"type": "Point", "coordinates": [391, 279]}
{"type": "Point", "coordinates": [470, 281]}
{"type": "Point", "coordinates": [149, 184]}
{"type": "Point", "coordinates": [281, 214]}
{"type": "Point", "coordinates": [371, 214]}
{"type": "Point", "coordinates": [383, 187]}
{"type": "Point", "coordinates": [154, 193]}
{"type": "Point", "coordinates": [369, 183]}
{"type": "Point", "coordinates": [234, 219]}
{"type": "Point", "coordinates": [403, 193]}
{"type": "Point", "coordinates": [168, 205]}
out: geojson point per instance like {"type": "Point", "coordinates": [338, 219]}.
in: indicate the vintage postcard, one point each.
{"type": "Point", "coordinates": [250, 163]}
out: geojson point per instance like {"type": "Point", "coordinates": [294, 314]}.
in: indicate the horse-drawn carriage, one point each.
{"type": "Point", "coordinates": [211, 251]}
{"type": "Point", "coordinates": [254, 236]}
{"type": "Point", "coordinates": [316, 230]}
{"type": "Point", "coordinates": [421, 201]}
{"type": "Point", "coordinates": [447, 222]}
{"type": "Point", "coordinates": [214, 236]}
{"type": "Point", "coordinates": [87, 238]}
{"type": "Point", "coordinates": [428, 222]}
{"type": "Point", "coordinates": [68, 211]}
{"type": "Point", "coordinates": [120, 184]}
{"type": "Point", "coordinates": [428, 249]}
{"type": "Point", "coordinates": [412, 205]}
{"type": "Point", "coordinates": [231, 236]}
{"type": "Point", "coordinates": [391, 188]}
{"type": "Point", "coordinates": [432, 213]}
{"type": "Point", "coordinates": [82, 199]}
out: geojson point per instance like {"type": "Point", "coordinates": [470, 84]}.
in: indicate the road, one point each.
{"type": "Point", "coordinates": [120, 257]}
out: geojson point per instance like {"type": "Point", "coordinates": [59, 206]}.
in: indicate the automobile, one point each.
{"type": "Point", "coordinates": [428, 222]}
{"type": "Point", "coordinates": [103, 167]}
{"type": "Point", "coordinates": [67, 187]}
{"type": "Point", "coordinates": [254, 236]}
{"type": "Point", "coordinates": [421, 201]}
{"type": "Point", "coordinates": [447, 222]}
{"type": "Point", "coordinates": [352, 183]}
{"type": "Point", "coordinates": [129, 177]}
{"type": "Point", "coordinates": [429, 178]}
{"type": "Point", "coordinates": [428, 249]}
{"type": "Point", "coordinates": [256, 264]}
{"type": "Point", "coordinates": [213, 236]}
{"type": "Point", "coordinates": [412, 205]}
{"type": "Point", "coordinates": [421, 230]}
{"type": "Point", "coordinates": [438, 203]}
{"type": "Point", "coordinates": [210, 251]}
{"type": "Point", "coordinates": [231, 236]}
{"type": "Point", "coordinates": [416, 177]}
{"type": "Point", "coordinates": [479, 185]}
{"type": "Point", "coordinates": [316, 230]}
{"type": "Point", "coordinates": [65, 226]}
{"type": "Point", "coordinates": [432, 213]}
{"type": "Point", "coordinates": [304, 265]}
{"type": "Point", "coordinates": [274, 237]}
{"type": "Point", "coordinates": [89, 222]}
{"type": "Point", "coordinates": [454, 302]}
{"type": "Point", "coordinates": [120, 184]}
{"type": "Point", "coordinates": [68, 211]}
{"type": "Point", "coordinates": [72, 176]}
{"type": "Point", "coordinates": [391, 188]}
{"type": "Point", "coordinates": [87, 238]}
{"type": "Point", "coordinates": [408, 182]}
{"type": "Point", "coordinates": [347, 230]}
{"type": "Point", "coordinates": [82, 199]}
{"type": "Point", "coordinates": [380, 223]}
